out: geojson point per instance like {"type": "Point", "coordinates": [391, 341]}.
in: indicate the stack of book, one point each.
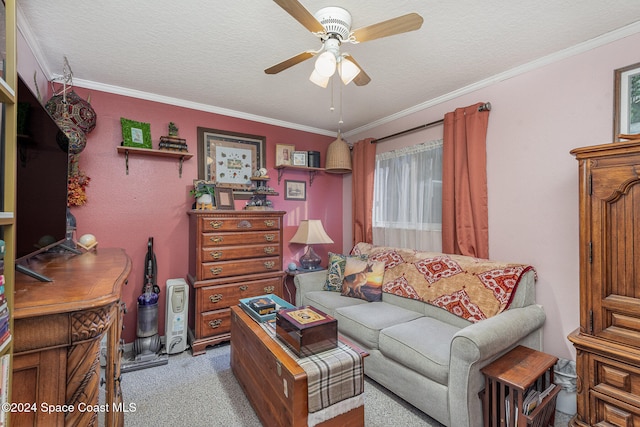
{"type": "Point", "coordinates": [173, 143]}
{"type": "Point", "coordinates": [4, 341]}
{"type": "Point", "coordinates": [5, 332]}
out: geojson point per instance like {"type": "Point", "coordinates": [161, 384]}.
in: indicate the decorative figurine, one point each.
{"type": "Point", "coordinates": [173, 129]}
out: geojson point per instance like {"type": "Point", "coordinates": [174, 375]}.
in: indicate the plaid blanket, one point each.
{"type": "Point", "coordinates": [332, 376]}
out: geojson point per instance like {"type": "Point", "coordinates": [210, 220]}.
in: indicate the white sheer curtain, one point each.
{"type": "Point", "coordinates": [407, 201]}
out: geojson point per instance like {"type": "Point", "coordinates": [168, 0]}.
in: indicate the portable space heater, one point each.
{"type": "Point", "coordinates": [177, 315]}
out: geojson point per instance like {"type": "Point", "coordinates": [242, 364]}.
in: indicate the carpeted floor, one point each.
{"type": "Point", "coordinates": [202, 391]}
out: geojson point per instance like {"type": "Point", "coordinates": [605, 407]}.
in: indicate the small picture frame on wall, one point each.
{"type": "Point", "coordinates": [299, 158]}
{"type": "Point", "coordinates": [627, 102]}
{"type": "Point", "coordinates": [135, 134]}
{"type": "Point", "coordinates": [295, 190]}
{"type": "Point", "coordinates": [224, 198]}
{"type": "Point", "coordinates": [284, 154]}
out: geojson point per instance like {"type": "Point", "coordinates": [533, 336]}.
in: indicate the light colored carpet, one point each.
{"type": "Point", "coordinates": [202, 391]}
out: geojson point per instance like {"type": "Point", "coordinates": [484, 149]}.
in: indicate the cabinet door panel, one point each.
{"type": "Point", "coordinates": [616, 253]}
{"type": "Point", "coordinates": [39, 377]}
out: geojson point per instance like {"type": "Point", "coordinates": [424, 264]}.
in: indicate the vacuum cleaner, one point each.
{"type": "Point", "coordinates": [147, 348]}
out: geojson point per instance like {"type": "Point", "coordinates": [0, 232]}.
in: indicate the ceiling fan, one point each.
{"type": "Point", "coordinates": [332, 25]}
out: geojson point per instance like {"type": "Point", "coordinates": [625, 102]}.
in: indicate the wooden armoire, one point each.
{"type": "Point", "coordinates": [608, 340]}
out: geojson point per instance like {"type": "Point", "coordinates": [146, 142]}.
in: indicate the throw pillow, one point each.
{"type": "Point", "coordinates": [363, 279]}
{"type": "Point", "coordinates": [335, 271]}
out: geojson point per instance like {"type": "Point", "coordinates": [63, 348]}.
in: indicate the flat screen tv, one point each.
{"type": "Point", "coordinates": [41, 181]}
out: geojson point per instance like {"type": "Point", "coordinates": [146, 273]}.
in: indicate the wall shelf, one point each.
{"type": "Point", "coordinates": [181, 155]}
{"type": "Point", "coordinates": [312, 171]}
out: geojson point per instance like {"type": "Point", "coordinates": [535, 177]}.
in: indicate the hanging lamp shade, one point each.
{"type": "Point", "coordinates": [338, 157]}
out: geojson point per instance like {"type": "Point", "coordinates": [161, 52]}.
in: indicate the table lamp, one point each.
{"type": "Point", "coordinates": [310, 232]}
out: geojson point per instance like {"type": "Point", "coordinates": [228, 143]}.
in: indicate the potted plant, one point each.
{"type": "Point", "coordinates": [203, 193]}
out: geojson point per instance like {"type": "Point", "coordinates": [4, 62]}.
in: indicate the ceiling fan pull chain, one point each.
{"type": "Point", "coordinates": [332, 108]}
{"type": "Point", "coordinates": [340, 121]}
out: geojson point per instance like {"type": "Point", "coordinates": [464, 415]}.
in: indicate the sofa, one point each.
{"type": "Point", "coordinates": [434, 322]}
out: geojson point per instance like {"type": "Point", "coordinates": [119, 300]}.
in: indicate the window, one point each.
{"type": "Point", "coordinates": [407, 201]}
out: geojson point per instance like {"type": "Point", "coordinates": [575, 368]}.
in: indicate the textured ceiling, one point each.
{"type": "Point", "coordinates": [212, 53]}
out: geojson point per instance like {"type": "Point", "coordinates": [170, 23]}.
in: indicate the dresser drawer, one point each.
{"type": "Point", "coordinates": [607, 411]}
{"type": "Point", "coordinates": [238, 252]}
{"type": "Point", "coordinates": [616, 379]}
{"type": "Point", "coordinates": [213, 322]}
{"type": "Point", "coordinates": [229, 239]}
{"type": "Point", "coordinates": [213, 270]}
{"type": "Point", "coordinates": [239, 224]}
{"type": "Point", "coordinates": [223, 296]}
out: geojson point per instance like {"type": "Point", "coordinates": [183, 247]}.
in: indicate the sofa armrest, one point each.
{"type": "Point", "coordinates": [307, 282]}
{"type": "Point", "coordinates": [476, 345]}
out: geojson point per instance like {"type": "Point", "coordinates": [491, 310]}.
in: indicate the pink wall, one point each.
{"type": "Point", "coordinates": [152, 201]}
{"type": "Point", "coordinates": [537, 118]}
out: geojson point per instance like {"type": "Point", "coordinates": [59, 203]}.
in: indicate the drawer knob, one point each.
{"type": "Point", "coordinates": [215, 270]}
{"type": "Point", "coordinates": [213, 324]}
{"type": "Point", "coordinates": [215, 297]}
{"type": "Point", "coordinates": [269, 265]}
{"type": "Point", "coordinates": [269, 222]}
{"type": "Point", "coordinates": [217, 239]}
{"type": "Point", "coordinates": [269, 289]}
{"type": "Point", "coordinates": [243, 287]}
{"type": "Point", "coordinates": [216, 254]}
{"type": "Point", "coordinates": [216, 224]}
{"type": "Point", "coordinates": [269, 250]}
{"type": "Point", "coordinates": [269, 237]}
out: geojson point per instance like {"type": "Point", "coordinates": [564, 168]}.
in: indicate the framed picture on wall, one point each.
{"type": "Point", "coordinates": [299, 158]}
{"type": "Point", "coordinates": [135, 134]}
{"type": "Point", "coordinates": [295, 190]}
{"type": "Point", "coordinates": [284, 154]}
{"type": "Point", "coordinates": [626, 101]}
{"type": "Point", "coordinates": [229, 158]}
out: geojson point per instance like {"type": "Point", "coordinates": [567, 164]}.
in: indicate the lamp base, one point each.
{"type": "Point", "coordinates": [310, 260]}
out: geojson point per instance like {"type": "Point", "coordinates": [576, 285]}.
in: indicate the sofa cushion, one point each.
{"type": "Point", "coordinates": [328, 301]}
{"type": "Point", "coordinates": [363, 322]}
{"type": "Point", "coordinates": [335, 271]}
{"type": "Point", "coordinates": [422, 344]}
{"type": "Point", "coordinates": [363, 279]}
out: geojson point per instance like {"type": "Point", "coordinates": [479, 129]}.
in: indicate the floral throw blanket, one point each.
{"type": "Point", "coordinates": [471, 288]}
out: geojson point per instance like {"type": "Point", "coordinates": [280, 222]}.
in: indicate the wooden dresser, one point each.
{"type": "Point", "coordinates": [58, 329]}
{"type": "Point", "coordinates": [232, 255]}
{"type": "Point", "coordinates": [608, 340]}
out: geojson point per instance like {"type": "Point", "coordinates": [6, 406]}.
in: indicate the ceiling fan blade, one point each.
{"type": "Point", "coordinates": [289, 62]}
{"type": "Point", "coordinates": [362, 78]}
{"type": "Point", "coordinates": [401, 24]}
{"type": "Point", "coordinates": [301, 14]}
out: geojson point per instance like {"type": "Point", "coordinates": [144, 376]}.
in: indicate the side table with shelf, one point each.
{"type": "Point", "coordinates": [507, 380]}
{"type": "Point", "coordinates": [289, 285]}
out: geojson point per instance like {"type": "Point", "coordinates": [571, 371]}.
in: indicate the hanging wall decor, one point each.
{"type": "Point", "coordinates": [66, 105]}
{"type": "Point", "coordinates": [72, 107]}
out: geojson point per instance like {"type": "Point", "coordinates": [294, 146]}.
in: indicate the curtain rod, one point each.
{"type": "Point", "coordinates": [484, 107]}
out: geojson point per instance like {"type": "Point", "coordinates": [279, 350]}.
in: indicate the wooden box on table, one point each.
{"type": "Point", "coordinates": [307, 330]}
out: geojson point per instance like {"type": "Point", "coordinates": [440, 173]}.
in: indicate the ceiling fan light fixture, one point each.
{"type": "Point", "coordinates": [326, 64]}
{"type": "Point", "coordinates": [319, 80]}
{"type": "Point", "coordinates": [347, 70]}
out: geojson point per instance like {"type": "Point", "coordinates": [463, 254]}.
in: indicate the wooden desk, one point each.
{"type": "Point", "coordinates": [58, 327]}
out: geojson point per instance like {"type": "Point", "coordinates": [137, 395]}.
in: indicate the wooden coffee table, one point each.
{"type": "Point", "coordinates": [273, 382]}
